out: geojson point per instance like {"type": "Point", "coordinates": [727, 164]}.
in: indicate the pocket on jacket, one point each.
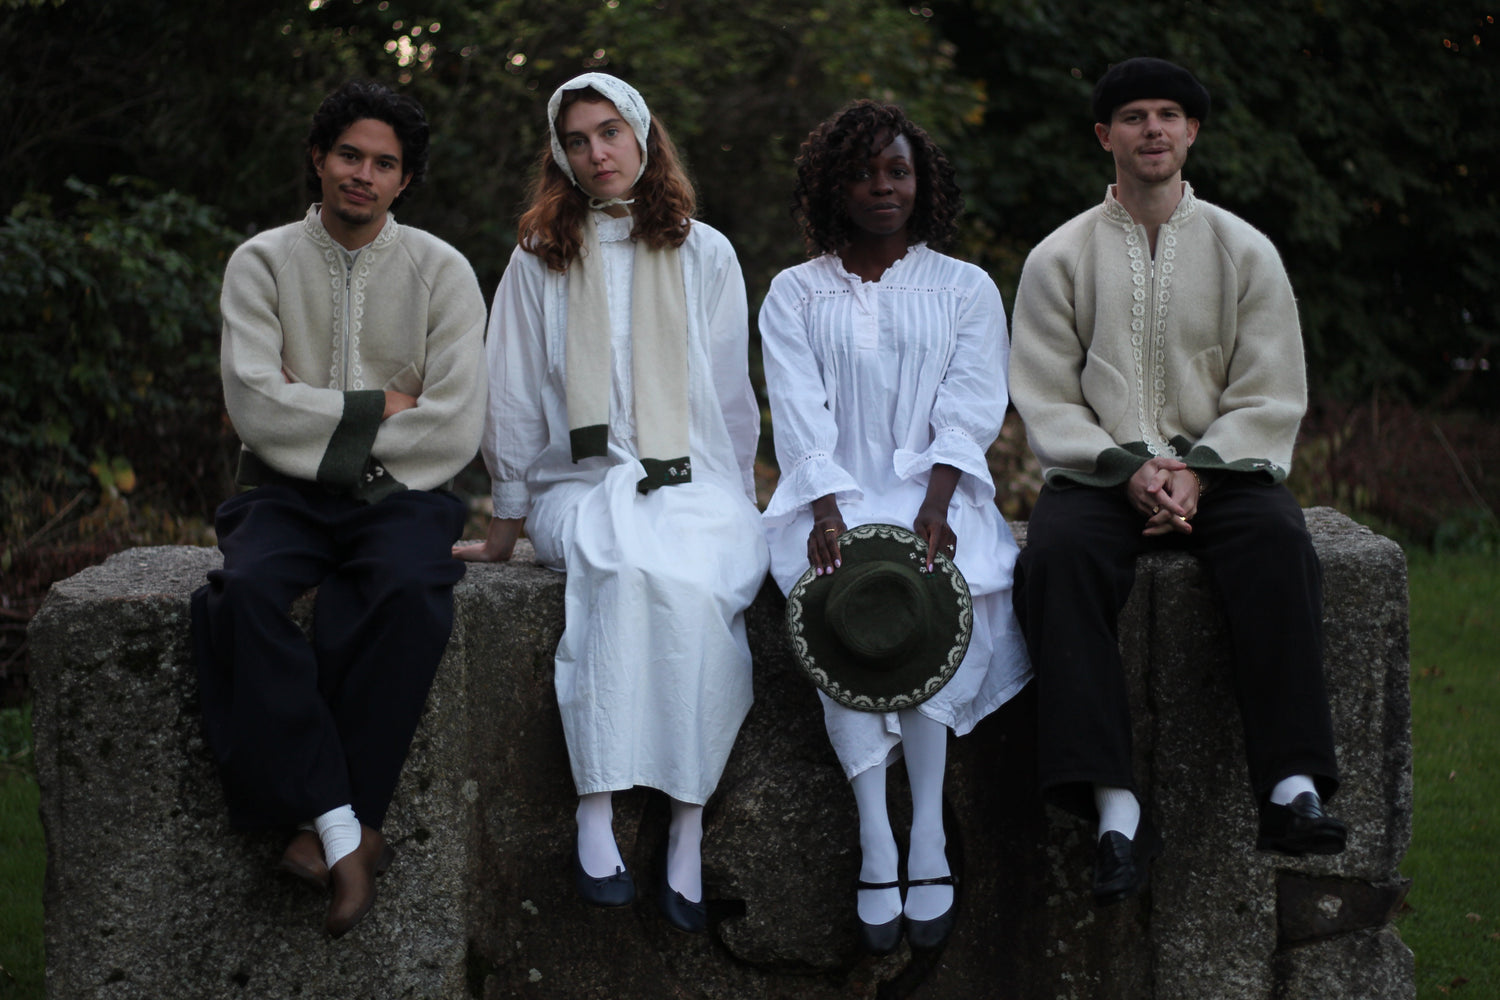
{"type": "Point", "coordinates": [1108, 394]}
{"type": "Point", "coordinates": [408, 380]}
{"type": "Point", "coordinates": [1202, 386]}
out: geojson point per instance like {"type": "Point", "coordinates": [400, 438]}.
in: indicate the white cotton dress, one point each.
{"type": "Point", "coordinates": [871, 385]}
{"type": "Point", "coordinates": [653, 669]}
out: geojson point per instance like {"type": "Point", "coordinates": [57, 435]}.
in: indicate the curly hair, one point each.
{"type": "Point", "coordinates": [665, 203]}
{"type": "Point", "coordinates": [842, 145]}
{"type": "Point", "coordinates": [360, 99]}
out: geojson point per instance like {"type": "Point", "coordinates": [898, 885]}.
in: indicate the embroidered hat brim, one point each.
{"type": "Point", "coordinates": [924, 666]}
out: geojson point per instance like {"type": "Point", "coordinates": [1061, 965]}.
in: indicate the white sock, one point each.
{"type": "Point", "coordinates": [684, 847]}
{"type": "Point", "coordinates": [596, 835]}
{"type": "Point", "coordinates": [877, 847]}
{"type": "Point", "coordinates": [340, 833]}
{"type": "Point", "coordinates": [1118, 810]}
{"type": "Point", "coordinates": [925, 742]}
{"type": "Point", "coordinates": [1288, 789]}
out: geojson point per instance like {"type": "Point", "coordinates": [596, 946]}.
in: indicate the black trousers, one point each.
{"type": "Point", "coordinates": [1074, 576]}
{"type": "Point", "coordinates": [299, 727]}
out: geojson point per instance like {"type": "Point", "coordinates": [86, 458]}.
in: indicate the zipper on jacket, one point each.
{"type": "Point", "coordinates": [345, 333]}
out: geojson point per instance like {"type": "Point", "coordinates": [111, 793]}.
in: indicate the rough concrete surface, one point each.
{"type": "Point", "coordinates": [150, 894]}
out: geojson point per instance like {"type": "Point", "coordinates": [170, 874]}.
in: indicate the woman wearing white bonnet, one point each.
{"type": "Point", "coordinates": [621, 435]}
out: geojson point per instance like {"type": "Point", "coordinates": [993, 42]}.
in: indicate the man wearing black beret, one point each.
{"type": "Point", "coordinates": [1157, 361]}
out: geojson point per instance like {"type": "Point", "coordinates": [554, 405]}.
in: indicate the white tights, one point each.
{"type": "Point", "coordinates": [925, 742]}
{"type": "Point", "coordinates": [600, 854]}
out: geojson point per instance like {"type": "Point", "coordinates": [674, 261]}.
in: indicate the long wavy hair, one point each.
{"type": "Point", "coordinates": [842, 145]}
{"type": "Point", "coordinates": [552, 224]}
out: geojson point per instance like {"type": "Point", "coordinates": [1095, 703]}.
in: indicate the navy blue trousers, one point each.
{"type": "Point", "coordinates": [1075, 574]}
{"type": "Point", "coordinates": [301, 725]}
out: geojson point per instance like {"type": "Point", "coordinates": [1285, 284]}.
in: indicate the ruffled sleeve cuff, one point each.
{"type": "Point", "coordinates": [816, 475]}
{"type": "Point", "coordinates": [511, 498]}
{"type": "Point", "coordinates": [952, 447]}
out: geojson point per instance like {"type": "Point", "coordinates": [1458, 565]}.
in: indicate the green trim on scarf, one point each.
{"type": "Point", "coordinates": [665, 473]}
{"type": "Point", "coordinates": [589, 442]}
{"type": "Point", "coordinates": [658, 358]}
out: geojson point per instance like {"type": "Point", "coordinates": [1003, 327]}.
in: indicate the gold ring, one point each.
{"type": "Point", "coordinates": [827, 531]}
{"type": "Point", "coordinates": [1156, 510]}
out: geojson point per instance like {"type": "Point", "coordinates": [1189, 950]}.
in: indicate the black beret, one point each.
{"type": "Point", "coordinates": [1144, 78]}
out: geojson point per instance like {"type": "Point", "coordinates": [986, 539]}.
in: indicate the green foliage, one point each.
{"type": "Point", "coordinates": [109, 344]}
{"type": "Point", "coordinates": [737, 84]}
{"type": "Point", "coordinates": [1452, 920]}
{"type": "Point", "coordinates": [16, 758]}
{"type": "Point", "coordinates": [1425, 478]}
{"type": "Point", "coordinates": [1359, 135]}
{"type": "Point", "coordinates": [1472, 530]}
{"type": "Point", "coordinates": [218, 107]}
{"type": "Point", "coordinates": [23, 857]}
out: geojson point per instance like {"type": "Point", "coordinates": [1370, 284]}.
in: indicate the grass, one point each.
{"type": "Point", "coordinates": [1452, 920]}
{"type": "Point", "coordinates": [1452, 923]}
{"type": "Point", "coordinates": [22, 862]}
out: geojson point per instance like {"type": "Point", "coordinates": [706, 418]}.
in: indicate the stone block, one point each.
{"type": "Point", "coordinates": [150, 894]}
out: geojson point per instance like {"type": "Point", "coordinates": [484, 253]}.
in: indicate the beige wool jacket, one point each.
{"type": "Point", "coordinates": [1197, 354]}
{"type": "Point", "coordinates": [310, 345]}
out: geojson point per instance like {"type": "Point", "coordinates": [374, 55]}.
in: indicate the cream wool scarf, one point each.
{"type": "Point", "coordinates": [658, 359]}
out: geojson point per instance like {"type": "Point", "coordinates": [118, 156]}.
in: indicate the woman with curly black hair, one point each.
{"type": "Point", "coordinates": [621, 433]}
{"type": "Point", "coordinates": [885, 363]}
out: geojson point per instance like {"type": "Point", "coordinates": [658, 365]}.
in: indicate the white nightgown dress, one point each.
{"type": "Point", "coordinates": [653, 669]}
{"type": "Point", "coordinates": [871, 385]}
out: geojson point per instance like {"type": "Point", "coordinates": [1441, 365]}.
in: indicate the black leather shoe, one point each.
{"type": "Point", "coordinates": [929, 935]}
{"type": "Point", "coordinates": [1122, 866]}
{"type": "Point", "coordinates": [681, 912]}
{"type": "Point", "coordinates": [879, 939]}
{"type": "Point", "coordinates": [1300, 827]}
{"type": "Point", "coordinates": [611, 890]}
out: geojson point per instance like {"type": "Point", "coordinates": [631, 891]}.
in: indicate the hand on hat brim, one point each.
{"type": "Point", "coordinates": [823, 539]}
{"type": "Point", "coordinates": [931, 524]}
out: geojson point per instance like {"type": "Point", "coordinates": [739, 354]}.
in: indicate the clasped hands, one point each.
{"type": "Point", "coordinates": [1166, 492]}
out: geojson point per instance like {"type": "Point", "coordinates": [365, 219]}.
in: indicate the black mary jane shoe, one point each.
{"type": "Point", "coordinates": [1300, 827]}
{"type": "Point", "coordinates": [610, 891]}
{"type": "Point", "coordinates": [681, 912]}
{"type": "Point", "coordinates": [929, 935]}
{"type": "Point", "coordinates": [879, 939]}
{"type": "Point", "coordinates": [1122, 866]}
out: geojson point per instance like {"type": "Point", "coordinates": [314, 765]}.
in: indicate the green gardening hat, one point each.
{"type": "Point", "coordinates": [879, 634]}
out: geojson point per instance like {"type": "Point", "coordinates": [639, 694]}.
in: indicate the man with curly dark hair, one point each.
{"type": "Point", "coordinates": [1158, 366]}
{"type": "Point", "coordinates": [885, 364]}
{"type": "Point", "coordinates": [351, 356]}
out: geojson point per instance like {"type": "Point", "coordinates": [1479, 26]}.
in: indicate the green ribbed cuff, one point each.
{"type": "Point", "coordinates": [349, 446]}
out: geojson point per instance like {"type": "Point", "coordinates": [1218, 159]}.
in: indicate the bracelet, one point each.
{"type": "Point", "coordinates": [1197, 479]}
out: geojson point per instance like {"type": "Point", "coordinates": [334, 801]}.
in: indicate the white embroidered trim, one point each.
{"type": "Point", "coordinates": [1154, 285]}
{"type": "Point", "coordinates": [347, 327]}
{"type": "Point", "coordinates": [336, 272]}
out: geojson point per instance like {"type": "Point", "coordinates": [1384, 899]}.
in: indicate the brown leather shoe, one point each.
{"type": "Point", "coordinates": [303, 858]}
{"type": "Point", "coordinates": [353, 879]}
